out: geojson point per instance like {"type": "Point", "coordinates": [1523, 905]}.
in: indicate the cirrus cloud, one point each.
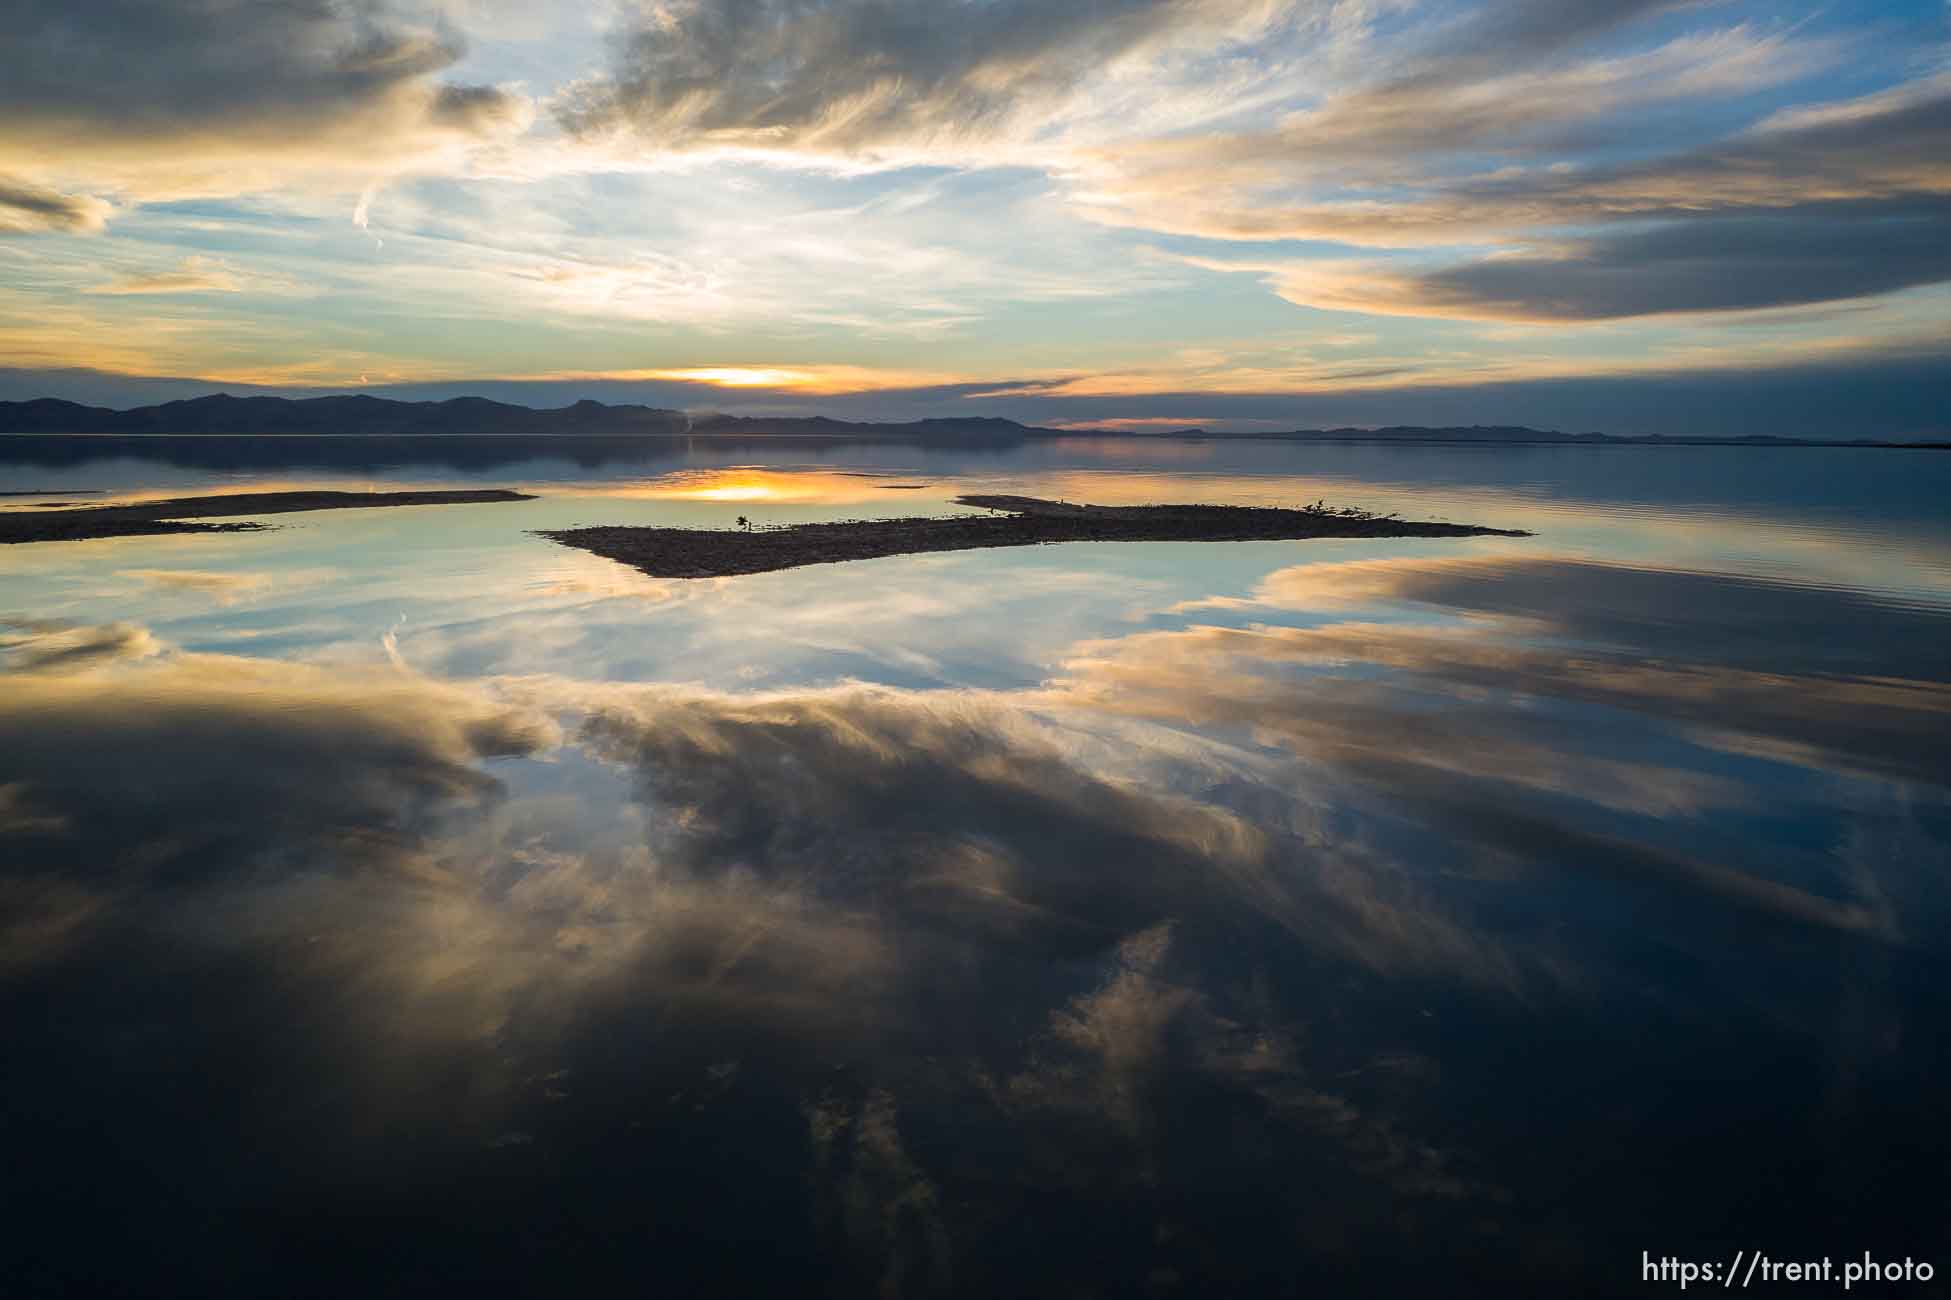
{"type": "Point", "coordinates": [846, 76]}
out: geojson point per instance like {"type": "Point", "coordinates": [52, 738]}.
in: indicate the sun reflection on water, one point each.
{"type": "Point", "coordinates": [735, 492]}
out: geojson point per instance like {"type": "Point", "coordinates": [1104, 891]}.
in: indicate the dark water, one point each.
{"type": "Point", "coordinates": [395, 903]}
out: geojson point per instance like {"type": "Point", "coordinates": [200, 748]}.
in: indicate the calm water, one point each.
{"type": "Point", "coordinates": [396, 903]}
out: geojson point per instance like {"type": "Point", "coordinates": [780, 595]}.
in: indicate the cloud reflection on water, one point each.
{"type": "Point", "coordinates": [1812, 675]}
{"type": "Point", "coordinates": [330, 904]}
{"type": "Point", "coordinates": [1207, 939]}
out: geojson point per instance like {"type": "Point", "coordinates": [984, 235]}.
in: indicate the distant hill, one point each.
{"type": "Point", "coordinates": [1507, 433]}
{"type": "Point", "coordinates": [975, 430]}
{"type": "Point", "coordinates": [360, 415]}
{"type": "Point", "coordinates": [222, 413]}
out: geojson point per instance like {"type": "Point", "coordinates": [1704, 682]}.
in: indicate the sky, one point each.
{"type": "Point", "coordinates": [1619, 215]}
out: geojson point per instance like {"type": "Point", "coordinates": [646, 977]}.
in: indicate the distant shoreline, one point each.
{"type": "Point", "coordinates": [361, 415]}
{"type": "Point", "coordinates": [867, 432]}
{"type": "Point", "coordinates": [1024, 521]}
{"type": "Point", "coordinates": [176, 515]}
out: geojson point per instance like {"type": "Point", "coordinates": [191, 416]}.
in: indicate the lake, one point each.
{"type": "Point", "coordinates": [397, 903]}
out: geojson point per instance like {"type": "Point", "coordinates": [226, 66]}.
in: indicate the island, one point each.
{"type": "Point", "coordinates": [178, 514]}
{"type": "Point", "coordinates": [1018, 521]}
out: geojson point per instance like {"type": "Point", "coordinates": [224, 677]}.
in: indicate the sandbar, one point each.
{"type": "Point", "coordinates": [178, 514]}
{"type": "Point", "coordinates": [1019, 521]}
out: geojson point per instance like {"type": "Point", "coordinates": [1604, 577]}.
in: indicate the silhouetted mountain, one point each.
{"type": "Point", "coordinates": [1511, 433]}
{"type": "Point", "coordinates": [361, 415]}
{"type": "Point", "coordinates": [962, 431]}
{"type": "Point", "coordinates": [222, 413]}
{"type": "Point", "coordinates": [1454, 433]}
{"type": "Point", "coordinates": [469, 416]}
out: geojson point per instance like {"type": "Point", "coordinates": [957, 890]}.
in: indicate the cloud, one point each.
{"type": "Point", "coordinates": [784, 874]}
{"type": "Point", "coordinates": [1728, 620]}
{"type": "Point", "coordinates": [876, 1196]}
{"type": "Point", "coordinates": [1690, 267]}
{"type": "Point", "coordinates": [478, 110]}
{"type": "Point", "coordinates": [140, 782]}
{"type": "Point", "coordinates": [1813, 204]}
{"type": "Point", "coordinates": [30, 208]}
{"type": "Point", "coordinates": [163, 98]}
{"type": "Point", "coordinates": [853, 77]}
{"type": "Point", "coordinates": [1885, 378]}
{"type": "Point", "coordinates": [1503, 103]}
{"type": "Point", "coordinates": [846, 76]}
{"type": "Point", "coordinates": [781, 850]}
{"type": "Point", "coordinates": [223, 587]}
{"type": "Point", "coordinates": [193, 739]}
{"type": "Point", "coordinates": [192, 275]}
{"type": "Point", "coordinates": [1822, 204]}
{"type": "Point", "coordinates": [948, 804]}
{"type": "Point", "coordinates": [39, 645]}
{"type": "Point", "coordinates": [1880, 145]}
{"type": "Point", "coordinates": [1434, 745]}
{"type": "Point", "coordinates": [967, 816]}
{"type": "Point", "coordinates": [1498, 32]}
{"type": "Point", "coordinates": [18, 815]}
{"type": "Point", "coordinates": [1507, 143]}
{"type": "Point", "coordinates": [1421, 139]}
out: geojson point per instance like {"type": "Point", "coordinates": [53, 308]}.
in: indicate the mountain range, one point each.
{"type": "Point", "coordinates": [361, 415]}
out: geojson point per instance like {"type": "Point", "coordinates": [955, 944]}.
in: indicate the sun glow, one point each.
{"type": "Point", "coordinates": [740, 377]}
{"type": "Point", "coordinates": [737, 484]}
{"type": "Point", "coordinates": [811, 379]}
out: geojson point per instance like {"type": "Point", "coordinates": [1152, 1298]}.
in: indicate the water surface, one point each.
{"type": "Point", "coordinates": [396, 902]}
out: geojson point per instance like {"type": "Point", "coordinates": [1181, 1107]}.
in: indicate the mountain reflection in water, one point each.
{"type": "Point", "coordinates": [394, 905]}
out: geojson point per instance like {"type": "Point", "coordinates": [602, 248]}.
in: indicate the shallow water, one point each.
{"type": "Point", "coordinates": [397, 902]}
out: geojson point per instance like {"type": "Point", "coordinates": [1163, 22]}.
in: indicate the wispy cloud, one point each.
{"type": "Point", "coordinates": [1686, 268]}
{"type": "Point", "coordinates": [191, 275]}
{"type": "Point", "coordinates": [41, 646]}
{"type": "Point", "coordinates": [29, 208]}
{"type": "Point", "coordinates": [223, 587]}
{"type": "Point", "coordinates": [848, 77]}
